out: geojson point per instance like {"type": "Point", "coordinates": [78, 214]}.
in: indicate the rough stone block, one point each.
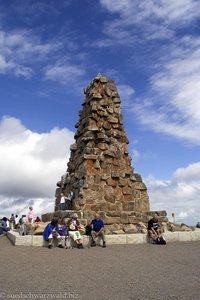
{"type": "Point", "coordinates": [112, 182]}
{"type": "Point", "coordinates": [97, 96]}
{"type": "Point", "coordinates": [113, 213]}
{"type": "Point", "coordinates": [127, 190]}
{"type": "Point", "coordinates": [103, 146]}
{"type": "Point", "coordinates": [130, 228]}
{"type": "Point", "coordinates": [123, 182]}
{"type": "Point", "coordinates": [109, 153]}
{"type": "Point", "coordinates": [112, 220]}
{"type": "Point", "coordinates": [111, 206]}
{"type": "Point", "coordinates": [124, 218]}
{"type": "Point", "coordinates": [90, 156]}
{"type": "Point", "coordinates": [103, 79]}
{"type": "Point", "coordinates": [133, 220]}
{"type": "Point", "coordinates": [110, 198]}
{"type": "Point", "coordinates": [138, 177]}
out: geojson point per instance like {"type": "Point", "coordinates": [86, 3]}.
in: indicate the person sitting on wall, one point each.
{"type": "Point", "coordinates": [51, 232]}
{"type": "Point", "coordinates": [154, 229]}
{"type": "Point", "coordinates": [97, 226]}
{"type": "Point", "coordinates": [3, 227]}
{"type": "Point", "coordinates": [73, 230]}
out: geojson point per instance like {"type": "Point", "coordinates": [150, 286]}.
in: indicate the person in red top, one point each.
{"type": "Point", "coordinates": [37, 220]}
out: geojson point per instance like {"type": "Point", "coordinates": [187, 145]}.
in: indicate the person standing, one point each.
{"type": "Point", "coordinates": [30, 214]}
{"type": "Point", "coordinates": [62, 201]}
{"type": "Point", "coordinates": [69, 200]}
{"type": "Point", "coordinates": [12, 221]}
{"type": "Point", "coordinates": [16, 221]}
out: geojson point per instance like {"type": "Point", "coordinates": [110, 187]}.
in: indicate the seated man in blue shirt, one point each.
{"type": "Point", "coordinates": [97, 230]}
{"type": "Point", "coordinates": [52, 231]}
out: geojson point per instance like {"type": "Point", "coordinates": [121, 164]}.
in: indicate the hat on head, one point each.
{"type": "Point", "coordinates": [75, 216]}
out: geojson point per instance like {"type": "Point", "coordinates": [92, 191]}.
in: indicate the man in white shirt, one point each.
{"type": "Point", "coordinates": [62, 201]}
{"type": "Point", "coordinates": [16, 221]}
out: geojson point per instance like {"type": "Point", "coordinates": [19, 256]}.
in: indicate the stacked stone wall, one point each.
{"type": "Point", "coordinates": [99, 170]}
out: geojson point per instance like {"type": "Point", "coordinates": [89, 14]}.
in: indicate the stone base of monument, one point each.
{"type": "Point", "coordinates": [117, 239]}
{"type": "Point", "coordinates": [121, 218]}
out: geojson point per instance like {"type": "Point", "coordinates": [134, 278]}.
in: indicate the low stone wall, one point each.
{"type": "Point", "coordinates": [28, 240]}
{"type": "Point", "coordinates": [115, 239]}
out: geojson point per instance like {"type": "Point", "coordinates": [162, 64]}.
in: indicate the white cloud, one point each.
{"type": "Point", "coordinates": [14, 68]}
{"type": "Point", "coordinates": [135, 154]}
{"type": "Point", "coordinates": [180, 194]}
{"type": "Point", "coordinates": [127, 93]}
{"type": "Point", "coordinates": [189, 174]}
{"type": "Point", "coordinates": [171, 105]}
{"type": "Point", "coordinates": [150, 19]}
{"type": "Point", "coordinates": [23, 51]}
{"type": "Point", "coordinates": [16, 49]}
{"type": "Point", "coordinates": [174, 106]}
{"type": "Point", "coordinates": [31, 164]}
{"type": "Point", "coordinates": [64, 72]}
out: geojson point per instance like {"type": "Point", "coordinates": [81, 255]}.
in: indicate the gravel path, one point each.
{"type": "Point", "coordinates": [121, 272]}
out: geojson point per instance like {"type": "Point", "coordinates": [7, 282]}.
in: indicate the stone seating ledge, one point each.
{"type": "Point", "coordinates": [115, 239]}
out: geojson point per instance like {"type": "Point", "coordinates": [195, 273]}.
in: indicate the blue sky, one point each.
{"type": "Point", "coordinates": [50, 50]}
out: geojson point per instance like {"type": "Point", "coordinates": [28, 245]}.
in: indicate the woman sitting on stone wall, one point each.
{"type": "Point", "coordinates": [73, 230]}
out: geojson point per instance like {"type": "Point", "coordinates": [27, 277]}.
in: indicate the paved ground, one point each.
{"type": "Point", "coordinates": [117, 272]}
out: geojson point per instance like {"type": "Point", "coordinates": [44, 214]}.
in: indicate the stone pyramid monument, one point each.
{"type": "Point", "coordinates": [99, 174]}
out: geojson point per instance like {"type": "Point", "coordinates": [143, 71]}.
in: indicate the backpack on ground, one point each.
{"type": "Point", "coordinates": [160, 240]}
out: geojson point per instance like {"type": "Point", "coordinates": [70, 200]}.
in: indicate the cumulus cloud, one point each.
{"type": "Point", "coordinates": [135, 154]}
{"type": "Point", "coordinates": [171, 103]}
{"type": "Point", "coordinates": [174, 105]}
{"type": "Point", "coordinates": [149, 19]}
{"type": "Point", "coordinates": [65, 73]}
{"type": "Point", "coordinates": [127, 93]}
{"type": "Point", "coordinates": [31, 164]}
{"type": "Point", "coordinates": [24, 52]}
{"type": "Point", "coordinates": [20, 49]}
{"type": "Point", "coordinates": [180, 194]}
